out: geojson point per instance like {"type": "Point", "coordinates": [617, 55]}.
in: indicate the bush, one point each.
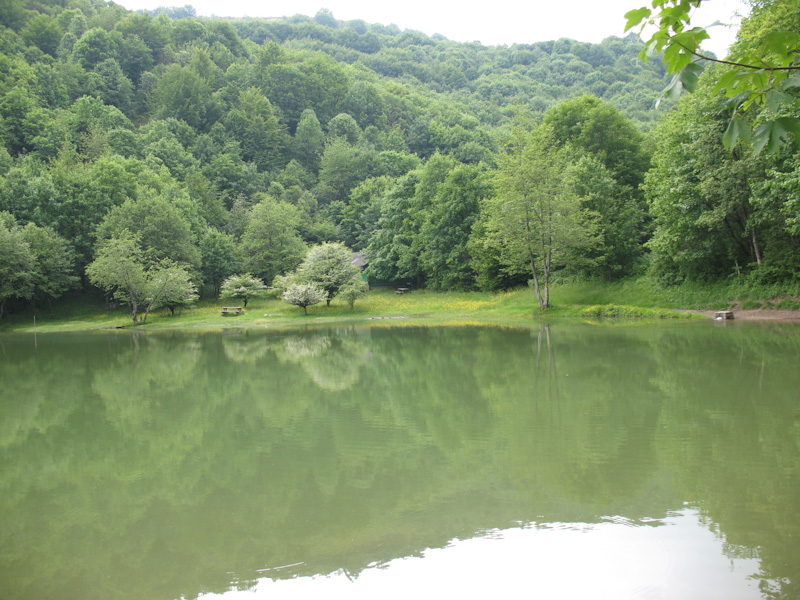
{"type": "Point", "coordinates": [304, 295]}
{"type": "Point", "coordinates": [631, 312]}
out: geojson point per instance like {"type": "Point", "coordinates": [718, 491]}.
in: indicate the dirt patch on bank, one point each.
{"type": "Point", "coordinates": [756, 314]}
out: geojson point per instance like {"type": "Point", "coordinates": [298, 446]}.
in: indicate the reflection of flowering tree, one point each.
{"type": "Point", "coordinates": [243, 349]}
{"type": "Point", "coordinates": [300, 348]}
{"type": "Point", "coordinates": [332, 361]}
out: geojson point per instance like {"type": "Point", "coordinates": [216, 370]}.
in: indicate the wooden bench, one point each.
{"type": "Point", "coordinates": [723, 315]}
{"type": "Point", "coordinates": [232, 310]}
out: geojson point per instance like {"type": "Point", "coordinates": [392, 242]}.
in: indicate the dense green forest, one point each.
{"type": "Point", "coordinates": [200, 148]}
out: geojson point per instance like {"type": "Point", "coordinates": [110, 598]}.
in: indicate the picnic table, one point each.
{"type": "Point", "coordinates": [232, 310]}
{"type": "Point", "coordinates": [402, 290]}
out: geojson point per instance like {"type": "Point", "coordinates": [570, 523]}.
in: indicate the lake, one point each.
{"type": "Point", "coordinates": [565, 460]}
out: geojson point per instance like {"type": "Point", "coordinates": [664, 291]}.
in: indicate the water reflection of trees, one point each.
{"type": "Point", "coordinates": [177, 463]}
{"type": "Point", "coordinates": [332, 359]}
{"type": "Point", "coordinates": [740, 403]}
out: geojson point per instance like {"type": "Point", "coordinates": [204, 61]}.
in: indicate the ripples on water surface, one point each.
{"type": "Point", "coordinates": [567, 461]}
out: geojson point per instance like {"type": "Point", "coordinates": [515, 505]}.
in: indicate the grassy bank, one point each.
{"type": "Point", "coordinates": [634, 298]}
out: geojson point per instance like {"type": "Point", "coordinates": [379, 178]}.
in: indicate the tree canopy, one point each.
{"type": "Point", "coordinates": [236, 145]}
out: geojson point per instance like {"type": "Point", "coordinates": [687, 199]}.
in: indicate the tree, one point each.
{"type": "Point", "coordinates": [218, 252]}
{"type": "Point", "coordinates": [343, 167]}
{"type": "Point", "coordinates": [171, 286]}
{"type": "Point", "coordinates": [344, 126]}
{"type": "Point", "coordinates": [304, 295]}
{"type": "Point", "coordinates": [390, 251]}
{"type": "Point", "coordinates": [110, 84]}
{"type": "Point", "coordinates": [309, 140]}
{"type": "Point", "coordinates": [352, 291]}
{"type": "Point", "coordinates": [365, 104]}
{"type": "Point", "coordinates": [44, 32]}
{"type": "Point", "coordinates": [360, 216]}
{"type": "Point", "coordinates": [758, 73]}
{"type": "Point", "coordinates": [53, 272]}
{"type": "Point", "coordinates": [270, 243]}
{"type": "Point", "coordinates": [448, 226]}
{"type": "Point", "coordinates": [535, 219]}
{"type": "Point", "coordinates": [120, 269]}
{"type": "Point", "coordinates": [716, 212]}
{"type": "Point", "coordinates": [255, 126]}
{"type": "Point", "coordinates": [597, 127]}
{"type": "Point", "coordinates": [163, 230]}
{"type": "Point", "coordinates": [183, 94]}
{"type": "Point", "coordinates": [17, 263]}
{"type": "Point", "coordinates": [243, 286]}
{"type": "Point", "coordinates": [329, 267]}
{"type": "Point", "coordinates": [622, 220]}
{"type": "Point", "coordinates": [95, 46]}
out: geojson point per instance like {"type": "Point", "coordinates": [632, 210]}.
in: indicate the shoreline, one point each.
{"type": "Point", "coordinates": [757, 314]}
{"type": "Point", "coordinates": [383, 306]}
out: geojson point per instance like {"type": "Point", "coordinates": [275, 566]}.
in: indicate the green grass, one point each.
{"type": "Point", "coordinates": [787, 304]}
{"type": "Point", "coordinates": [637, 298]}
{"type": "Point", "coordinates": [643, 292]}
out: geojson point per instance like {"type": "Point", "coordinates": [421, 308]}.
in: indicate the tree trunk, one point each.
{"type": "Point", "coordinates": [547, 258]}
{"type": "Point", "coordinates": [533, 262]}
{"type": "Point", "coordinates": [756, 249]}
{"type": "Point", "coordinates": [135, 312]}
{"type": "Point", "coordinates": [536, 280]}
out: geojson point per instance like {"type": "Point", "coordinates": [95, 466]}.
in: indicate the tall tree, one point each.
{"type": "Point", "coordinates": [309, 141]}
{"type": "Point", "coordinates": [218, 252]}
{"type": "Point", "coordinates": [270, 244]}
{"type": "Point", "coordinates": [164, 232]}
{"type": "Point", "coordinates": [535, 219]}
{"type": "Point", "coordinates": [448, 226]}
{"type": "Point", "coordinates": [262, 137]}
{"type": "Point", "coordinates": [17, 263]}
{"type": "Point", "coordinates": [121, 269]}
{"type": "Point", "coordinates": [54, 272]}
{"type": "Point", "coordinates": [716, 212]}
{"type": "Point", "coordinates": [608, 177]}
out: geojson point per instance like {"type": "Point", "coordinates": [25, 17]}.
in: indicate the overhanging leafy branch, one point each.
{"type": "Point", "coordinates": [759, 78]}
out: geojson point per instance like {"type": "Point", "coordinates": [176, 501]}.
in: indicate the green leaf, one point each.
{"type": "Point", "coordinates": [672, 91]}
{"type": "Point", "coordinates": [690, 76]}
{"type": "Point", "coordinates": [782, 43]}
{"type": "Point", "coordinates": [690, 40]}
{"type": "Point", "coordinates": [738, 129]}
{"type": "Point", "coordinates": [773, 134]}
{"type": "Point", "coordinates": [728, 82]}
{"type": "Point", "coordinates": [776, 98]}
{"type": "Point", "coordinates": [792, 81]}
{"type": "Point", "coordinates": [636, 16]}
{"type": "Point", "coordinates": [791, 125]}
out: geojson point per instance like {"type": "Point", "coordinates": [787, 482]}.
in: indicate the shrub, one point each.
{"type": "Point", "coordinates": [631, 312]}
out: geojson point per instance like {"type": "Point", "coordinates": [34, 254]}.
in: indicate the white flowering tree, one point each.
{"type": "Point", "coordinates": [243, 286]}
{"type": "Point", "coordinates": [304, 295]}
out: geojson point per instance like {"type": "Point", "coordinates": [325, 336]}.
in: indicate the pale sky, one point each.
{"type": "Point", "coordinates": [496, 22]}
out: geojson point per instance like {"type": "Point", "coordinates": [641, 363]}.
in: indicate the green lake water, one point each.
{"type": "Point", "coordinates": [562, 461]}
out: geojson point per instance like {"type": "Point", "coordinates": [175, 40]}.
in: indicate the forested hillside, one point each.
{"type": "Point", "coordinates": [202, 148]}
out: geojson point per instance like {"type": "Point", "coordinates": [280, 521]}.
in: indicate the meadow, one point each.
{"type": "Point", "coordinates": [630, 298]}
